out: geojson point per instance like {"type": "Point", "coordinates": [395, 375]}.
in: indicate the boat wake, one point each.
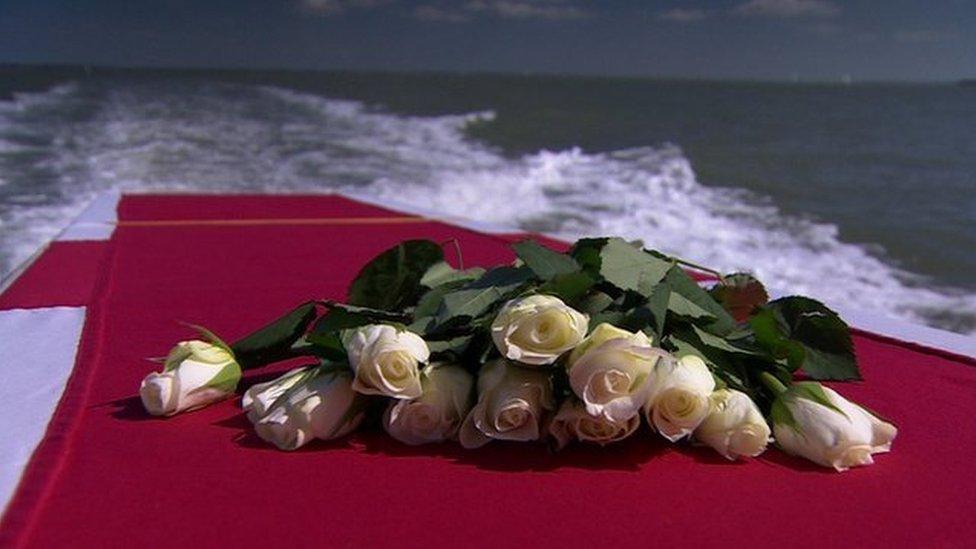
{"type": "Point", "coordinates": [60, 148]}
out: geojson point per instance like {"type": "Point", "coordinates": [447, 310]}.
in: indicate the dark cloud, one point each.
{"type": "Point", "coordinates": [683, 15]}
{"type": "Point", "coordinates": [766, 39]}
{"type": "Point", "coordinates": [788, 8]}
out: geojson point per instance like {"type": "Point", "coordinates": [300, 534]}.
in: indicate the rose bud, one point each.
{"type": "Point", "coordinates": [613, 379]}
{"type": "Point", "coordinates": [436, 415]}
{"type": "Point", "coordinates": [680, 399]}
{"type": "Point", "coordinates": [572, 422]}
{"type": "Point", "coordinates": [259, 398]}
{"type": "Point", "coordinates": [734, 425]}
{"type": "Point", "coordinates": [386, 360]}
{"type": "Point", "coordinates": [511, 404]}
{"type": "Point", "coordinates": [814, 422]}
{"type": "Point", "coordinates": [602, 333]}
{"type": "Point", "coordinates": [537, 329]}
{"type": "Point", "coordinates": [321, 404]}
{"type": "Point", "coordinates": [195, 374]}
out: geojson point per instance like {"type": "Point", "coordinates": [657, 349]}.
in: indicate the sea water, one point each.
{"type": "Point", "coordinates": [861, 195]}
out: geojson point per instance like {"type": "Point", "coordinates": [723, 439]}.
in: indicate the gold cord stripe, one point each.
{"type": "Point", "coordinates": [273, 221]}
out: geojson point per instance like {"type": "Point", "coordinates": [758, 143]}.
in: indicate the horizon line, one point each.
{"type": "Point", "coordinates": [840, 80]}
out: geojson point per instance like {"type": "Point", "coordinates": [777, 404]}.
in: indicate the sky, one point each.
{"type": "Point", "coordinates": [742, 39]}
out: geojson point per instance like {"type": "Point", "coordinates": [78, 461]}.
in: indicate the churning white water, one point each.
{"type": "Point", "coordinates": [60, 148]}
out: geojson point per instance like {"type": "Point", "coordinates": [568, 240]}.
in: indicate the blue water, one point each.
{"type": "Point", "coordinates": [863, 195]}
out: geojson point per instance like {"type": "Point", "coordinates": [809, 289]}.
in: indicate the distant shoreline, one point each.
{"type": "Point", "coordinates": [86, 70]}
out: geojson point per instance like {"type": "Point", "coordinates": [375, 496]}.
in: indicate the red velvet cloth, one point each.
{"type": "Point", "coordinates": [63, 275]}
{"type": "Point", "coordinates": [108, 475]}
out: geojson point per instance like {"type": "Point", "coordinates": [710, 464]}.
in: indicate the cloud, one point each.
{"type": "Point", "coordinates": [322, 7]}
{"type": "Point", "coordinates": [453, 12]}
{"type": "Point", "coordinates": [440, 15]}
{"type": "Point", "coordinates": [681, 15]}
{"type": "Point", "coordinates": [335, 7]}
{"type": "Point", "coordinates": [787, 8]}
{"type": "Point", "coordinates": [527, 9]}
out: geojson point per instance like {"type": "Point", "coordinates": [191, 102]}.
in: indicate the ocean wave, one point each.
{"type": "Point", "coordinates": [246, 138]}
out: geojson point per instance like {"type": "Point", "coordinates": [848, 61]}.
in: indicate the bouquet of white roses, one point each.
{"type": "Point", "coordinates": [583, 346]}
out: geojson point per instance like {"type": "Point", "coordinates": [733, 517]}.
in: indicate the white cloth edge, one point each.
{"type": "Point", "coordinates": [38, 348]}
{"type": "Point", "coordinates": [97, 221]}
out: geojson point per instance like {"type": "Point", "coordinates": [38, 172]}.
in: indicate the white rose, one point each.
{"type": "Point", "coordinates": [680, 399]}
{"type": "Point", "coordinates": [196, 373]}
{"type": "Point", "coordinates": [825, 436]}
{"type": "Point", "coordinates": [537, 329]}
{"type": "Point", "coordinates": [320, 405]}
{"type": "Point", "coordinates": [572, 422]}
{"type": "Point", "coordinates": [260, 397]}
{"type": "Point", "coordinates": [511, 404]}
{"type": "Point", "coordinates": [386, 360]}
{"type": "Point", "coordinates": [614, 378]}
{"type": "Point", "coordinates": [436, 415]}
{"type": "Point", "coordinates": [734, 425]}
{"type": "Point", "coordinates": [602, 333]}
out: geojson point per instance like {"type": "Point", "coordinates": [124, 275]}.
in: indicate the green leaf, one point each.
{"type": "Point", "coordinates": [391, 281]}
{"type": "Point", "coordinates": [657, 305]}
{"type": "Point", "coordinates": [586, 252]}
{"type": "Point", "coordinates": [721, 364]}
{"type": "Point", "coordinates": [740, 295]}
{"type": "Point", "coordinates": [421, 324]}
{"type": "Point", "coordinates": [682, 284]}
{"type": "Point", "coordinates": [770, 330]}
{"type": "Point", "coordinates": [682, 306]}
{"type": "Point", "coordinates": [545, 263]}
{"type": "Point", "coordinates": [455, 346]}
{"type": "Point", "coordinates": [472, 302]}
{"type": "Point", "coordinates": [569, 287]}
{"type": "Point", "coordinates": [273, 342]}
{"type": "Point", "coordinates": [502, 276]}
{"type": "Point", "coordinates": [717, 342]}
{"type": "Point", "coordinates": [483, 294]}
{"type": "Point", "coordinates": [648, 315]}
{"type": "Point", "coordinates": [594, 303]}
{"type": "Point", "coordinates": [630, 268]}
{"type": "Point", "coordinates": [335, 321]}
{"type": "Point", "coordinates": [327, 347]}
{"type": "Point", "coordinates": [441, 273]}
{"type": "Point", "coordinates": [431, 301]}
{"type": "Point", "coordinates": [615, 318]}
{"type": "Point", "coordinates": [637, 319]}
{"type": "Point", "coordinates": [825, 338]}
{"type": "Point", "coordinates": [828, 366]}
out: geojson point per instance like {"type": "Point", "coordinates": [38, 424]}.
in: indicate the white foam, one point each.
{"type": "Point", "coordinates": [239, 138]}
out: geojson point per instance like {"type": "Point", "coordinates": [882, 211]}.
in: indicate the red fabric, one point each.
{"type": "Point", "coordinates": [108, 475]}
{"type": "Point", "coordinates": [64, 274]}
{"type": "Point", "coordinates": [245, 206]}
{"type": "Point", "coordinates": [918, 347]}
